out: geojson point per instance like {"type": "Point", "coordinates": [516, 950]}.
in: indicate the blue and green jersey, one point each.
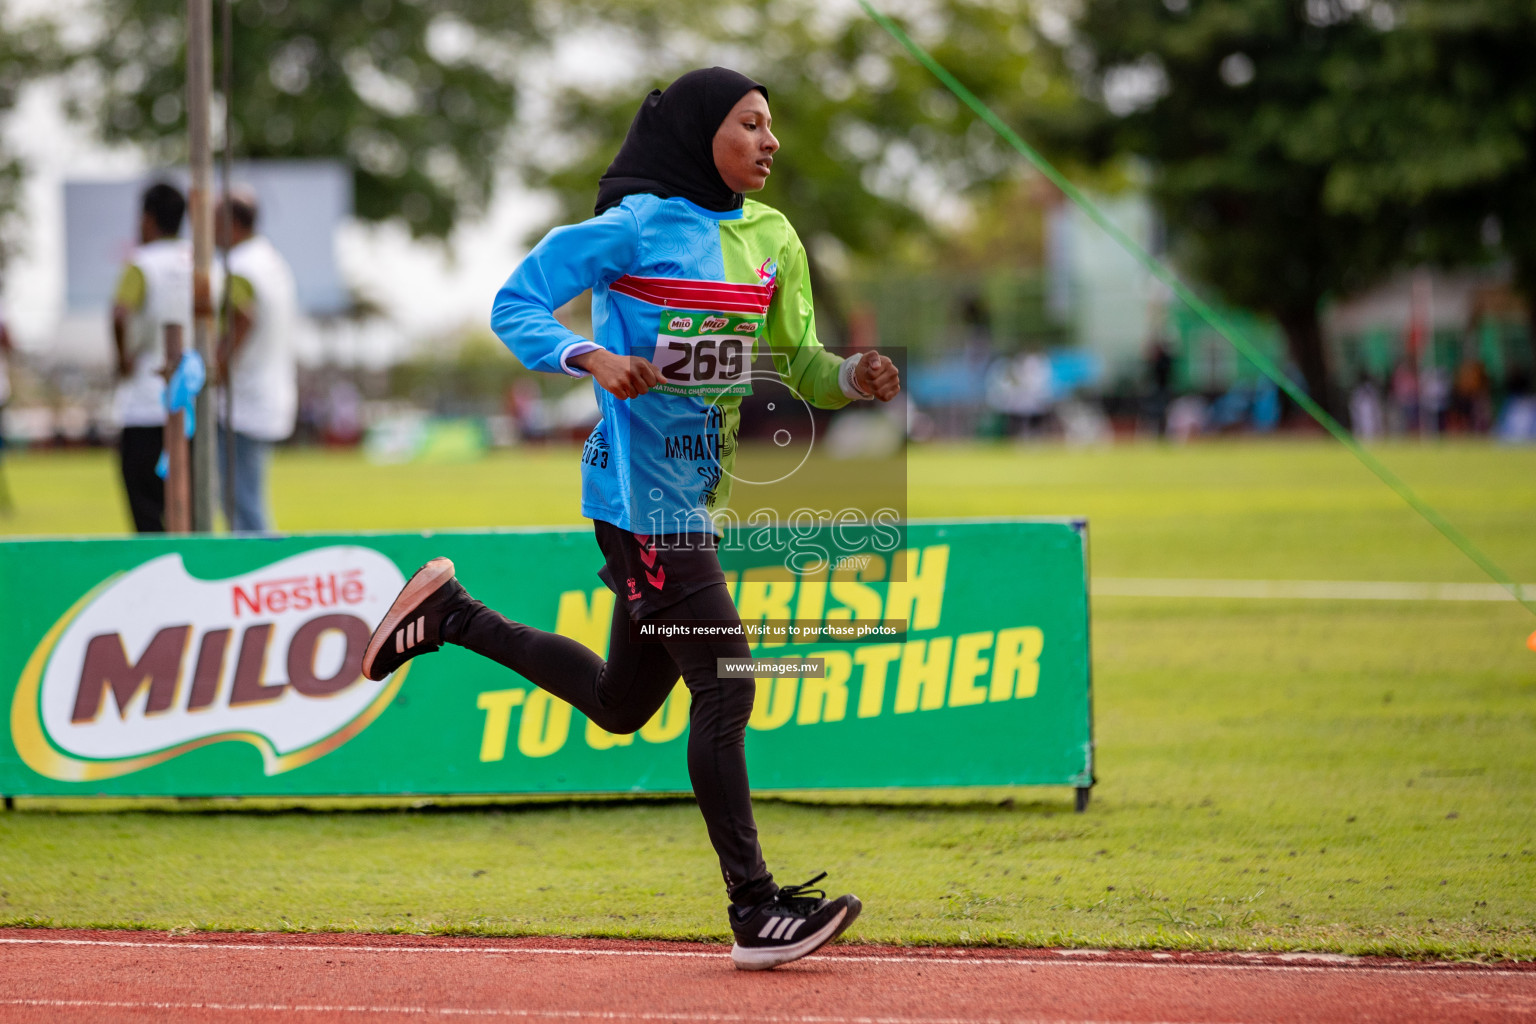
{"type": "Point", "coordinates": [697, 293]}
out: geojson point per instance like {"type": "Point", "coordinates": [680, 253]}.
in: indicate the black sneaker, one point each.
{"type": "Point", "coordinates": [796, 922]}
{"type": "Point", "coordinates": [413, 625]}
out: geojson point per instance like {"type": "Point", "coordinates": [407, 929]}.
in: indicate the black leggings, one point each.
{"type": "Point", "coordinates": [622, 694]}
{"type": "Point", "coordinates": [139, 453]}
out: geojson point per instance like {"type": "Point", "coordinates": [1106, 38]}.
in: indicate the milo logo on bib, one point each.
{"type": "Point", "coordinates": [703, 353]}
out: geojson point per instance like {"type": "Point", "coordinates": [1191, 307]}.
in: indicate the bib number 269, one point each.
{"type": "Point", "coordinates": [701, 360]}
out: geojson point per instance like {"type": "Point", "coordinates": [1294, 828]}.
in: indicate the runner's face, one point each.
{"type": "Point", "coordinates": [744, 145]}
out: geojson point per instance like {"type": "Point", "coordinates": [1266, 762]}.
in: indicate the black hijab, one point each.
{"type": "Point", "coordinates": [669, 150]}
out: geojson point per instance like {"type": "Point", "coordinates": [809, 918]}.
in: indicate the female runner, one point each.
{"type": "Point", "coordinates": [685, 276]}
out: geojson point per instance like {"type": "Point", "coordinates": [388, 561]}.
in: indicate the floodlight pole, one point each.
{"type": "Point", "coordinates": [205, 464]}
{"type": "Point", "coordinates": [178, 499]}
{"type": "Point", "coordinates": [227, 232]}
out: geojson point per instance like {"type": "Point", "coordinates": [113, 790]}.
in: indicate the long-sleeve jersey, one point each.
{"type": "Point", "coordinates": [696, 292]}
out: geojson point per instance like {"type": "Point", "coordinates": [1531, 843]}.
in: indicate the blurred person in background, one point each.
{"type": "Point", "coordinates": [1021, 389]}
{"type": "Point", "coordinates": [1517, 422]}
{"type": "Point", "coordinates": [1160, 375]}
{"type": "Point", "coordinates": [342, 415]}
{"type": "Point", "coordinates": [976, 332]}
{"type": "Point", "coordinates": [1403, 408]}
{"type": "Point", "coordinates": [1365, 413]}
{"type": "Point", "coordinates": [1188, 416]}
{"type": "Point", "coordinates": [1266, 406]}
{"type": "Point", "coordinates": [1434, 398]}
{"type": "Point", "coordinates": [256, 361]}
{"type": "Point", "coordinates": [155, 289]}
{"type": "Point", "coordinates": [1472, 396]}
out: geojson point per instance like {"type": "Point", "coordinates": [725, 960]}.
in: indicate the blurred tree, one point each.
{"type": "Point", "coordinates": [1445, 123]}
{"type": "Point", "coordinates": [463, 372]}
{"type": "Point", "coordinates": [417, 95]}
{"type": "Point", "coordinates": [27, 50]}
{"type": "Point", "coordinates": [879, 158]}
{"type": "Point", "coordinates": [1244, 110]}
{"type": "Point", "coordinates": [1010, 232]}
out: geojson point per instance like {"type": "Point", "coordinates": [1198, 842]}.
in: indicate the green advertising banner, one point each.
{"type": "Point", "coordinates": [230, 666]}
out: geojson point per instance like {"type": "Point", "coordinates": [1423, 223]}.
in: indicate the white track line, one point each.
{"type": "Point", "coordinates": [1306, 590]}
{"type": "Point", "coordinates": [1066, 958]}
{"type": "Point", "coordinates": [453, 1011]}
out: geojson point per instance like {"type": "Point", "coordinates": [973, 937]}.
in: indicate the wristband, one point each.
{"type": "Point", "coordinates": [847, 379]}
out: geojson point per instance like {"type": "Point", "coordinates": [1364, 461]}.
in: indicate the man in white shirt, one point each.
{"type": "Point", "coordinates": [256, 360]}
{"type": "Point", "coordinates": [155, 289]}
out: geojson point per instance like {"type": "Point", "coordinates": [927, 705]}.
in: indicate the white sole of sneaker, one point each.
{"type": "Point", "coordinates": [427, 579]}
{"type": "Point", "coordinates": [762, 958]}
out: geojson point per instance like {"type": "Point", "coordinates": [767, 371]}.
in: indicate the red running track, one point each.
{"type": "Point", "coordinates": [65, 976]}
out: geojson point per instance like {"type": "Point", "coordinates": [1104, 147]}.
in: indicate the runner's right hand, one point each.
{"type": "Point", "coordinates": [620, 376]}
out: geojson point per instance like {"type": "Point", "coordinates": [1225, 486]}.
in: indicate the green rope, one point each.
{"type": "Point", "coordinates": [1233, 336]}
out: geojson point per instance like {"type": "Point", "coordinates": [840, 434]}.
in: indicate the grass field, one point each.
{"type": "Point", "coordinates": [1349, 776]}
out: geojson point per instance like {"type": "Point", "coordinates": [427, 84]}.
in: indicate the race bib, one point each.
{"type": "Point", "coordinates": [703, 353]}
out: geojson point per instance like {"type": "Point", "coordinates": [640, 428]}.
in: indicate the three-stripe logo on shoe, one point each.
{"type": "Point", "coordinates": [781, 928]}
{"type": "Point", "coordinates": [411, 635]}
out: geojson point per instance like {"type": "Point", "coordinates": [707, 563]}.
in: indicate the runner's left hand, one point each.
{"type": "Point", "coordinates": [877, 375]}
